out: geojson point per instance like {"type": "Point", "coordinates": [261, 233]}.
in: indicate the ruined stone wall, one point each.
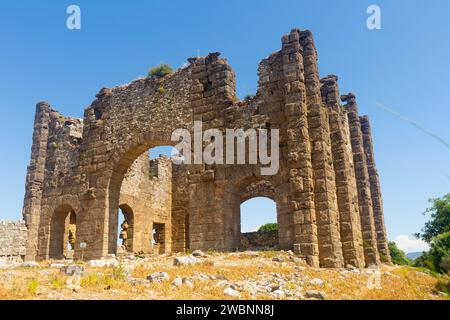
{"type": "Point", "coordinates": [50, 182]}
{"type": "Point", "coordinates": [87, 177]}
{"type": "Point", "coordinates": [326, 190]}
{"type": "Point", "coordinates": [259, 240]}
{"type": "Point", "coordinates": [13, 237]}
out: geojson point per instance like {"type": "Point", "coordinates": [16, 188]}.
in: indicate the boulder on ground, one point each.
{"type": "Point", "coordinates": [158, 277]}
{"type": "Point", "coordinates": [198, 253]}
{"type": "Point", "coordinates": [316, 282]}
{"type": "Point", "coordinates": [231, 292]}
{"type": "Point", "coordinates": [315, 294]}
{"type": "Point", "coordinates": [73, 269]}
{"type": "Point", "coordinates": [30, 264]}
{"type": "Point", "coordinates": [103, 263]}
{"type": "Point", "coordinates": [185, 260]}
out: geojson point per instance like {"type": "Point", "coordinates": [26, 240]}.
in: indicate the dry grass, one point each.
{"type": "Point", "coordinates": [397, 283]}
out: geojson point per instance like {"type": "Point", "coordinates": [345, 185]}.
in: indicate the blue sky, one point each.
{"type": "Point", "coordinates": [404, 66]}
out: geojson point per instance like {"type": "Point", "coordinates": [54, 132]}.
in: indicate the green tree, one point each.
{"type": "Point", "coordinates": [437, 258]}
{"type": "Point", "coordinates": [268, 227]}
{"type": "Point", "coordinates": [398, 256]}
{"type": "Point", "coordinates": [160, 71]}
{"type": "Point", "coordinates": [437, 233]}
{"type": "Point", "coordinates": [440, 219]}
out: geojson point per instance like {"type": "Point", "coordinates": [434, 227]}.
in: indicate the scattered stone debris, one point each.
{"type": "Point", "coordinates": [177, 282]}
{"type": "Point", "coordinates": [279, 293]}
{"type": "Point", "coordinates": [198, 254]}
{"type": "Point", "coordinates": [296, 260]}
{"type": "Point", "coordinates": [315, 294]}
{"type": "Point", "coordinates": [231, 292]}
{"type": "Point", "coordinates": [30, 264]}
{"type": "Point", "coordinates": [158, 277]}
{"type": "Point", "coordinates": [278, 259]}
{"type": "Point", "coordinates": [188, 282]}
{"type": "Point", "coordinates": [137, 281]}
{"type": "Point", "coordinates": [316, 282]}
{"type": "Point", "coordinates": [104, 263]}
{"type": "Point", "coordinates": [73, 269]}
{"type": "Point", "coordinates": [185, 260]}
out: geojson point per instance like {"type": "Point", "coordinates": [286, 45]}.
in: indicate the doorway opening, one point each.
{"type": "Point", "coordinates": [259, 228]}
{"type": "Point", "coordinates": [159, 237]}
{"type": "Point", "coordinates": [63, 229]}
{"type": "Point", "coordinates": [126, 229]}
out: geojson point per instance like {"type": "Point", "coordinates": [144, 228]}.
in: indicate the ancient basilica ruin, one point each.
{"type": "Point", "coordinates": [83, 173]}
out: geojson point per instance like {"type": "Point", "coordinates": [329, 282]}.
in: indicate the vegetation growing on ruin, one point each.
{"type": "Point", "coordinates": [160, 71]}
{"type": "Point", "coordinates": [249, 97]}
{"type": "Point", "coordinates": [161, 90]}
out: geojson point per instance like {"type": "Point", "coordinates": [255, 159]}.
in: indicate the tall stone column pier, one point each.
{"type": "Point", "coordinates": [363, 183]}
{"type": "Point", "coordinates": [347, 193]}
{"type": "Point", "coordinates": [327, 214]}
{"type": "Point", "coordinates": [299, 148]}
{"type": "Point", "coordinates": [35, 179]}
{"type": "Point", "coordinates": [375, 191]}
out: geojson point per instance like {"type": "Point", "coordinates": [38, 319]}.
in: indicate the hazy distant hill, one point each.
{"type": "Point", "coordinates": [413, 255]}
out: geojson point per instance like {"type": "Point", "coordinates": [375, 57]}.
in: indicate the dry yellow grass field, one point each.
{"type": "Point", "coordinates": [250, 275]}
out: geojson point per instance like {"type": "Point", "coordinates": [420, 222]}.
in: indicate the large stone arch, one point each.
{"type": "Point", "coordinates": [133, 119]}
{"type": "Point", "coordinates": [121, 161]}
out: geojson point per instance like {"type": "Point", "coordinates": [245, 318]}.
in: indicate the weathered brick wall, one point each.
{"type": "Point", "coordinates": [13, 237]}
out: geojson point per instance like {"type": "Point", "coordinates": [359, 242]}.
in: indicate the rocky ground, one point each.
{"type": "Point", "coordinates": [244, 275]}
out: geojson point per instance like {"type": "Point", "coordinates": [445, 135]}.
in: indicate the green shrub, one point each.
{"type": "Point", "coordinates": [268, 227]}
{"type": "Point", "coordinates": [437, 233]}
{"type": "Point", "coordinates": [249, 97]}
{"type": "Point", "coordinates": [440, 219]}
{"type": "Point", "coordinates": [397, 255]}
{"type": "Point", "coordinates": [437, 259]}
{"type": "Point", "coordinates": [160, 71]}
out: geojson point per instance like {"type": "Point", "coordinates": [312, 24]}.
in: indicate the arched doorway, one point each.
{"type": "Point", "coordinates": [144, 183]}
{"type": "Point", "coordinates": [126, 229]}
{"type": "Point", "coordinates": [258, 221]}
{"type": "Point", "coordinates": [256, 206]}
{"type": "Point", "coordinates": [63, 227]}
